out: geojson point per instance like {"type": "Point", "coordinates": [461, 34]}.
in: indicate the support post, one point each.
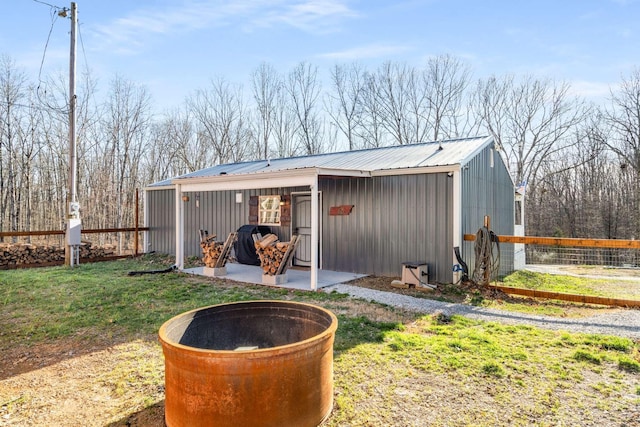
{"type": "Point", "coordinates": [487, 270]}
{"type": "Point", "coordinates": [179, 228]}
{"type": "Point", "coordinates": [457, 219]}
{"type": "Point", "coordinates": [73, 222]}
{"type": "Point", "coordinates": [315, 221]}
{"type": "Point", "coordinates": [137, 224]}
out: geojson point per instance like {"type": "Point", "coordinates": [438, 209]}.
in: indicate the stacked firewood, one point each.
{"type": "Point", "coordinates": [275, 255]}
{"type": "Point", "coordinates": [215, 254]}
{"type": "Point", "coordinates": [18, 254]}
{"type": "Point", "coordinates": [211, 250]}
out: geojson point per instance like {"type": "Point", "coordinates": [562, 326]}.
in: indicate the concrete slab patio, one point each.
{"type": "Point", "coordinates": [296, 279]}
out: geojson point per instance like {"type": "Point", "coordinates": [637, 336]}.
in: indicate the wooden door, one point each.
{"type": "Point", "coordinates": [301, 225]}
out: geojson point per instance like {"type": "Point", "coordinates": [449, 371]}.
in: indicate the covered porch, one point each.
{"type": "Point", "coordinates": [296, 278]}
{"type": "Point", "coordinates": [282, 178]}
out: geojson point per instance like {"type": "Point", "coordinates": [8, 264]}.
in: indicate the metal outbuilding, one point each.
{"type": "Point", "coordinates": [364, 211]}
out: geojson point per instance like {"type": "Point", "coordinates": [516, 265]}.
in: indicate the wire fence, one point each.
{"type": "Point", "coordinates": [567, 255]}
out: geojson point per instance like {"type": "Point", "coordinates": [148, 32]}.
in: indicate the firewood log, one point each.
{"type": "Point", "coordinates": [267, 240]}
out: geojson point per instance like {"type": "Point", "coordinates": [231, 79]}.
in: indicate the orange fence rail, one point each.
{"type": "Point", "coordinates": [573, 242]}
{"type": "Point", "coordinates": [563, 241]}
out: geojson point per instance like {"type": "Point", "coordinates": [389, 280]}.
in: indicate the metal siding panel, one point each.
{"type": "Point", "coordinates": [161, 215]}
{"type": "Point", "coordinates": [395, 219]}
{"type": "Point", "coordinates": [219, 214]}
{"type": "Point", "coordinates": [386, 210]}
{"type": "Point", "coordinates": [488, 191]}
{"type": "Point", "coordinates": [369, 222]}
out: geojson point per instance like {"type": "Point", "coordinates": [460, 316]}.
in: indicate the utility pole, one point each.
{"type": "Point", "coordinates": [73, 222]}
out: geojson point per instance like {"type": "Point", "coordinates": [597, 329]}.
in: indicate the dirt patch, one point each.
{"type": "Point", "coordinates": [82, 387]}
{"type": "Point", "coordinates": [458, 293]}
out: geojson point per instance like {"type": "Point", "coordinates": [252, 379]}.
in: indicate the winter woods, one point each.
{"type": "Point", "coordinates": [579, 160]}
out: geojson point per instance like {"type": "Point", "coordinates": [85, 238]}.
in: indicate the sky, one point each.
{"type": "Point", "coordinates": [175, 47]}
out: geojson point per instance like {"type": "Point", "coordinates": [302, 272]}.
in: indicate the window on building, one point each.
{"type": "Point", "coordinates": [269, 210]}
{"type": "Point", "coordinates": [518, 209]}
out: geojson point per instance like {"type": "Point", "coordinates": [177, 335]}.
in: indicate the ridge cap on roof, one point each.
{"type": "Point", "coordinates": [359, 150]}
{"type": "Point", "coordinates": [243, 167]}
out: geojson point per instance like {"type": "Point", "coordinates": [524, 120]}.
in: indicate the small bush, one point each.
{"type": "Point", "coordinates": [585, 356]}
{"type": "Point", "coordinates": [441, 318]}
{"type": "Point", "coordinates": [629, 365]}
{"type": "Point", "coordinates": [493, 369]}
{"type": "Point", "coordinates": [616, 343]}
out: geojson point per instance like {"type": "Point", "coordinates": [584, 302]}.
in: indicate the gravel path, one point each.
{"type": "Point", "coordinates": [624, 323]}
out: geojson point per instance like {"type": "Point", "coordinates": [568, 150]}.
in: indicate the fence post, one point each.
{"type": "Point", "coordinates": [135, 236]}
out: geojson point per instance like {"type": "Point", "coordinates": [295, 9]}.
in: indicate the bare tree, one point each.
{"type": "Point", "coordinates": [624, 118]}
{"type": "Point", "coordinates": [12, 92]}
{"type": "Point", "coordinates": [370, 124]}
{"type": "Point", "coordinates": [266, 84]}
{"type": "Point", "coordinates": [344, 105]}
{"type": "Point", "coordinates": [303, 88]}
{"type": "Point", "coordinates": [284, 128]}
{"type": "Point", "coordinates": [392, 90]}
{"type": "Point", "coordinates": [26, 153]}
{"type": "Point", "coordinates": [125, 126]}
{"type": "Point", "coordinates": [220, 117]}
{"type": "Point", "coordinates": [530, 119]}
{"type": "Point", "coordinates": [172, 149]}
{"type": "Point", "coordinates": [573, 183]}
{"type": "Point", "coordinates": [446, 81]}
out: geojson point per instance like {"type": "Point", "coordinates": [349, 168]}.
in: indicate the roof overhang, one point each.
{"type": "Point", "coordinates": [417, 171]}
{"type": "Point", "coordinates": [159, 187]}
{"type": "Point", "coordinates": [283, 178]}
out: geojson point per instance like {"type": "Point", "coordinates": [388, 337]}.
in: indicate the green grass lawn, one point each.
{"type": "Point", "coordinates": [390, 367]}
{"type": "Point", "coordinates": [618, 288]}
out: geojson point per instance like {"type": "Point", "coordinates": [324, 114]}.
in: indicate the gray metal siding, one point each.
{"type": "Point", "coordinates": [395, 219]}
{"type": "Point", "coordinates": [161, 217]}
{"type": "Point", "coordinates": [218, 213]}
{"type": "Point", "coordinates": [489, 191]}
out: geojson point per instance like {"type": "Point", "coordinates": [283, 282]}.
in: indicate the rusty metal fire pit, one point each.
{"type": "Point", "coordinates": [255, 363]}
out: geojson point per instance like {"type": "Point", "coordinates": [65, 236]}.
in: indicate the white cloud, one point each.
{"type": "Point", "coordinates": [129, 33]}
{"type": "Point", "coordinates": [366, 52]}
{"type": "Point", "coordinates": [315, 15]}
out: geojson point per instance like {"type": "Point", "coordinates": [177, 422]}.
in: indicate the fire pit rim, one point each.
{"type": "Point", "coordinates": [328, 332]}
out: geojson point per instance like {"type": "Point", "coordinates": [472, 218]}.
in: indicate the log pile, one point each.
{"type": "Point", "coordinates": [211, 250]}
{"type": "Point", "coordinates": [215, 254]}
{"type": "Point", "coordinates": [275, 255]}
{"type": "Point", "coordinates": [21, 254]}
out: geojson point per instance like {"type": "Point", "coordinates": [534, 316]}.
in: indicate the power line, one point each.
{"type": "Point", "coordinates": [56, 11]}
{"type": "Point", "coordinates": [54, 18]}
{"type": "Point", "coordinates": [33, 106]}
{"type": "Point", "coordinates": [84, 53]}
{"type": "Point", "coordinates": [47, 4]}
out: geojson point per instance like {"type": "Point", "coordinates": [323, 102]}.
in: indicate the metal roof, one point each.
{"type": "Point", "coordinates": [421, 155]}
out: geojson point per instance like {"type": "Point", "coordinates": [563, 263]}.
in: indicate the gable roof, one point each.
{"type": "Point", "coordinates": [422, 155]}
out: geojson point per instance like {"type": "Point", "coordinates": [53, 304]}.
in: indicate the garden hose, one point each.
{"type": "Point", "coordinates": [487, 260]}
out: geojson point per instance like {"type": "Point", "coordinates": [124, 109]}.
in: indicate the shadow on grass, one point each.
{"type": "Point", "coordinates": [21, 358]}
{"type": "Point", "coordinates": [151, 416]}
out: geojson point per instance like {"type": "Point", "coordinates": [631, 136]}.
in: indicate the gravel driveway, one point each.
{"type": "Point", "coordinates": [623, 322]}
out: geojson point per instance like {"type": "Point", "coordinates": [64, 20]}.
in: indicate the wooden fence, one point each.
{"type": "Point", "coordinates": [567, 242]}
